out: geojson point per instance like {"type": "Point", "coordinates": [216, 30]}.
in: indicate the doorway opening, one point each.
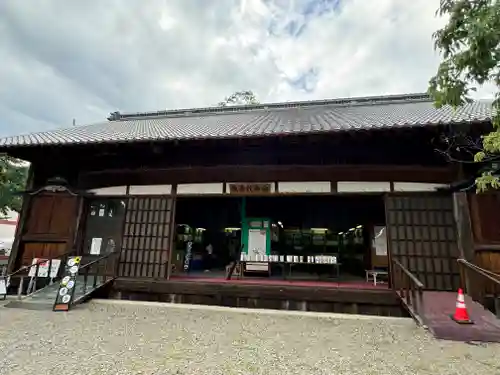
{"type": "Point", "coordinates": [302, 239]}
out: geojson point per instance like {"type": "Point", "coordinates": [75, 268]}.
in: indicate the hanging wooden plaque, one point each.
{"type": "Point", "coordinates": [261, 188]}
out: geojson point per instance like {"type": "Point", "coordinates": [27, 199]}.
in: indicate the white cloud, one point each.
{"type": "Point", "coordinates": [66, 59]}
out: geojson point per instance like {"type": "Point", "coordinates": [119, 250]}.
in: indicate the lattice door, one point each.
{"type": "Point", "coordinates": [422, 236]}
{"type": "Point", "coordinates": [146, 237]}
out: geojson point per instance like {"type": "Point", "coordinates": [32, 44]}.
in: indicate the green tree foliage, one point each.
{"type": "Point", "coordinates": [470, 46]}
{"type": "Point", "coordinates": [239, 98]}
{"type": "Point", "coordinates": [13, 176]}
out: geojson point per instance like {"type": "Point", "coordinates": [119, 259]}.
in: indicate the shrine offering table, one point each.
{"type": "Point", "coordinates": [287, 262]}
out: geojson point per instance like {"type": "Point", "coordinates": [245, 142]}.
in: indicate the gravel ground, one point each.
{"type": "Point", "coordinates": [158, 339]}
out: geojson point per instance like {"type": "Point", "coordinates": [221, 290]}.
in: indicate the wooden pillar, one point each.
{"type": "Point", "coordinates": [21, 221]}
{"type": "Point", "coordinates": [465, 236]}
{"type": "Point", "coordinates": [78, 233]}
{"type": "Point", "coordinates": [119, 269]}
{"type": "Point", "coordinates": [465, 240]}
{"type": "Point", "coordinates": [243, 246]}
{"type": "Point", "coordinates": [173, 231]}
{"type": "Point", "coordinates": [388, 229]}
{"type": "Point", "coordinates": [464, 227]}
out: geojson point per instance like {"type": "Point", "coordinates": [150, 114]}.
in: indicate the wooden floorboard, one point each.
{"type": "Point", "coordinates": [250, 290]}
{"type": "Point", "coordinates": [438, 306]}
{"type": "Point", "coordinates": [303, 297]}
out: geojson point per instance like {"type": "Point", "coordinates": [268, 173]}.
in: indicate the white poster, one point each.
{"type": "Point", "coordinates": [380, 241]}
{"type": "Point", "coordinates": [43, 268]}
{"type": "Point", "coordinates": [257, 243]}
{"type": "Point", "coordinates": [95, 246]}
{"type": "Point", "coordinates": [3, 287]}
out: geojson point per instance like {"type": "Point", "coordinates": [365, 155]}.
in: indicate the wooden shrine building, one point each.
{"type": "Point", "coordinates": [328, 179]}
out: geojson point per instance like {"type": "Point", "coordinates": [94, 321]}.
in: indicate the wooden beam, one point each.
{"type": "Point", "coordinates": [279, 292]}
{"type": "Point", "coordinates": [265, 173]}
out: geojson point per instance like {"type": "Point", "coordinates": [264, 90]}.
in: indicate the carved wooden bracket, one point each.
{"type": "Point", "coordinates": [55, 185]}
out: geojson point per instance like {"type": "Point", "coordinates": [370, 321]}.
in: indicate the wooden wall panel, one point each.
{"type": "Point", "coordinates": [64, 216]}
{"type": "Point", "coordinates": [490, 260]}
{"type": "Point", "coordinates": [52, 216]}
{"type": "Point", "coordinates": [485, 209]}
{"type": "Point", "coordinates": [49, 229]}
{"type": "Point", "coordinates": [39, 215]}
{"type": "Point", "coordinates": [41, 250]}
{"type": "Point", "coordinates": [422, 236]}
{"type": "Point", "coordinates": [146, 237]}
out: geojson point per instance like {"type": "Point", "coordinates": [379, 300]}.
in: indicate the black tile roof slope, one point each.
{"type": "Point", "coordinates": [349, 114]}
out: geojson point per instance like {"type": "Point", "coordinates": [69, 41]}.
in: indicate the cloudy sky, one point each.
{"type": "Point", "coordinates": [74, 59]}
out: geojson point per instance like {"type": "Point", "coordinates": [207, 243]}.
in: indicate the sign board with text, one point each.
{"type": "Point", "coordinates": [66, 290]}
{"type": "Point", "coordinates": [249, 189]}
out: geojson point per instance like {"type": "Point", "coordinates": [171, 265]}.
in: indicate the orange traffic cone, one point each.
{"type": "Point", "coordinates": [461, 315]}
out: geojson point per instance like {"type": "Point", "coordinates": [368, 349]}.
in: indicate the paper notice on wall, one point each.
{"type": "Point", "coordinates": [95, 246]}
{"type": "Point", "coordinates": [380, 241]}
{"type": "Point", "coordinates": [3, 287]}
{"type": "Point", "coordinates": [257, 242]}
{"type": "Point", "coordinates": [43, 268]}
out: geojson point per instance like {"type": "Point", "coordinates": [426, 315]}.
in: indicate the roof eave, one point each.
{"type": "Point", "coordinates": [4, 149]}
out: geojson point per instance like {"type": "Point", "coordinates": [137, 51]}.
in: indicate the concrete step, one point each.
{"type": "Point", "coordinates": [30, 305]}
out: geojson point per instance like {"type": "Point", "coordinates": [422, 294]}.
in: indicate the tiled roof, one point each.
{"type": "Point", "coordinates": [262, 120]}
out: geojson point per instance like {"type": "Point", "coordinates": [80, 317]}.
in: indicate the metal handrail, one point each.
{"type": "Point", "coordinates": [86, 269]}
{"type": "Point", "coordinates": [33, 282]}
{"type": "Point", "coordinates": [494, 274]}
{"type": "Point", "coordinates": [98, 259]}
{"type": "Point", "coordinates": [475, 284]}
{"type": "Point", "coordinates": [410, 290]}
{"type": "Point", "coordinates": [23, 268]}
{"type": "Point", "coordinates": [490, 275]}
{"type": "Point", "coordinates": [44, 260]}
{"type": "Point", "coordinates": [408, 273]}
